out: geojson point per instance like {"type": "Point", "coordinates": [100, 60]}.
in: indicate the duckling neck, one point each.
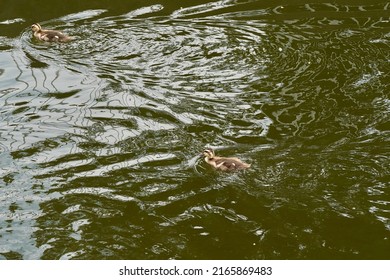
{"type": "Point", "coordinates": [209, 159]}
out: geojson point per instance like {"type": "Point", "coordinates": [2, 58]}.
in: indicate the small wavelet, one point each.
{"type": "Point", "coordinates": [144, 11]}
{"type": "Point", "coordinates": [12, 21]}
{"type": "Point", "coordinates": [204, 8]}
{"type": "Point", "coordinates": [82, 15]}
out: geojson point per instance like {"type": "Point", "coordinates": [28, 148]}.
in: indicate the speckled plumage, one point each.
{"type": "Point", "coordinates": [49, 35]}
{"type": "Point", "coordinates": [224, 163]}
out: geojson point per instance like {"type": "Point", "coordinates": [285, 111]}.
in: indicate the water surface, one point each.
{"type": "Point", "coordinates": [100, 138]}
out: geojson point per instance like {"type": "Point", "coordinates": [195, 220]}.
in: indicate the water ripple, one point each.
{"type": "Point", "coordinates": [100, 138]}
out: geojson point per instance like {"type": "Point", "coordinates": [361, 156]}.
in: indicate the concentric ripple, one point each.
{"type": "Point", "coordinates": [100, 138]}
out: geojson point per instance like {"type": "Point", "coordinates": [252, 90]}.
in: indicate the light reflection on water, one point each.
{"type": "Point", "coordinates": [100, 138]}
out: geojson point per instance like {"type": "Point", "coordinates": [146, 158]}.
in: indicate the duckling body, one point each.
{"type": "Point", "coordinates": [224, 163]}
{"type": "Point", "coordinates": [47, 35]}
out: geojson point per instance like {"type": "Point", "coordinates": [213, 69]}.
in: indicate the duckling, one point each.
{"type": "Point", "coordinates": [224, 163]}
{"type": "Point", "coordinates": [49, 35]}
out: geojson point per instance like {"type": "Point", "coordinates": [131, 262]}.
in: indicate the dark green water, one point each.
{"type": "Point", "coordinates": [100, 138]}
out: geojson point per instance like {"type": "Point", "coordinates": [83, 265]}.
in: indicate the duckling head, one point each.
{"type": "Point", "coordinates": [209, 153]}
{"type": "Point", "coordinates": [36, 27]}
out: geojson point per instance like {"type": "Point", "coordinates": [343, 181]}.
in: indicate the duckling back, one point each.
{"type": "Point", "coordinates": [47, 35]}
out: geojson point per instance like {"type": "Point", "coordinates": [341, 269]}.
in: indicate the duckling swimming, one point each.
{"type": "Point", "coordinates": [224, 163]}
{"type": "Point", "coordinates": [49, 35]}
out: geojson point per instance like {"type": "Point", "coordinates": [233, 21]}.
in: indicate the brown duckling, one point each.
{"type": "Point", "coordinates": [49, 35]}
{"type": "Point", "coordinates": [224, 163]}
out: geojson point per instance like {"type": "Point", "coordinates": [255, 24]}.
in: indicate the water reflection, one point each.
{"type": "Point", "coordinates": [100, 137]}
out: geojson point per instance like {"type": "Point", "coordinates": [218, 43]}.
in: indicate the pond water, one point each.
{"type": "Point", "coordinates": [100, 138]}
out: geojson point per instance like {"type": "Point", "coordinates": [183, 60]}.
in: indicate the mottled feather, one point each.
{"type": "Point", "coordinates": [224, 163]}
{"type": "Point", "coordinates": [48, 35]}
